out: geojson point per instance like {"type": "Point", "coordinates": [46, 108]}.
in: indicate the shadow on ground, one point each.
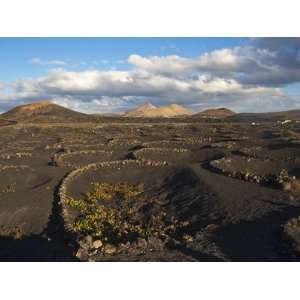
{"type": "Point", "coordinates": [51, 245]}
{"type": "Point", "coordinates": [258, 240]}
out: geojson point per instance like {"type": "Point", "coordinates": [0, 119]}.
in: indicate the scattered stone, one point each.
{"type": "Point", "coordinates": [97, 244]}
{"type": "Point", "coordinates": [287, 186]}
{"type": "Point", "coordinates": [124, 246]}
{"type": "Point", "coordinates": [141, 243]}
{"type": "Point", "coordinates": [82, 254]}
{"type": "Point", "coordinates": [211, 227]}
{"type": "Point", "coordinates": [89, 240]}
{"type": "Point", "coordinates": [110, 249]}
{"type": "Point", "coordinates": [155, 244]}
{"type": "Point", "coordinates": [291, 231]}
{"type": "Point", "coordinates": [86, 243]}
{"type": "Point", "coordinates": [188, 238]}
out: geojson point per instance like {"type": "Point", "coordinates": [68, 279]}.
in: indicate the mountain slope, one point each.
{"type": "Point", "coordinates": [43, 111]}
{"type": "Point", "coordinates": [149, 110]}
{"type": "Point", "coordinates": [217, 113]}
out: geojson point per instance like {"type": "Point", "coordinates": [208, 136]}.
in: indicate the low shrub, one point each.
{"type": "Point", "coordinates": [121, 213]}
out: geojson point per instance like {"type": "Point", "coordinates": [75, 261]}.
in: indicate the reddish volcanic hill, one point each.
{"type": "Point", "coordinates": [43, 110]}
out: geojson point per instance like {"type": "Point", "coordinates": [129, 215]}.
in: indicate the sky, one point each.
{"type": "Point", "coordinates": [98, 75]}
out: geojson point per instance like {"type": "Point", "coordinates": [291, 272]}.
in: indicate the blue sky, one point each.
{"type": "Point", "coordinates": [104, 53]}
{"type": "Point", "coordinates": [114, 74]}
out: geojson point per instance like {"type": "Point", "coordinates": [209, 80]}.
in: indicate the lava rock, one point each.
{"type": "Point", "coordinates": [82, 254]}
{"type": "Point", "coordinates": [110, 249]}
{"type": "Point", "coordinates": [97, 244]}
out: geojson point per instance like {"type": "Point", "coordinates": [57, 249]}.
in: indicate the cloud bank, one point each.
{"type": "Point", "coordinates": [250, 78]}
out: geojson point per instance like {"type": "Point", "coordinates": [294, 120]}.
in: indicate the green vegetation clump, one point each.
{"type": "Point", "coordinates": [10, 188]}
{"type": "Point", "coordinates": [121, 213]}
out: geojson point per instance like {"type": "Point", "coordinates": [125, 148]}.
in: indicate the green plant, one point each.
{"type": "Point", "coordinates": [120, 213]}
{"type": "Point", "coordinates": [10, 188]}
{"type": "Point", "coordinates": [248, 173]}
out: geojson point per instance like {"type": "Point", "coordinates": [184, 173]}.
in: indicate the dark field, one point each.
{"type": "Point", "coordinates": [233, 185]}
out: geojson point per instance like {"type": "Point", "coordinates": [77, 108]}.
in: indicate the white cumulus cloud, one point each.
{"type": "Point", "coordinates": [249, 78]}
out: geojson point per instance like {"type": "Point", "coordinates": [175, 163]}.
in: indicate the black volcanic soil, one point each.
{"type": "Point", "coordinates": [230, 219]}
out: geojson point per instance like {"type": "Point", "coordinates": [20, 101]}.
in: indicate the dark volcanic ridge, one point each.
{"type": "Point", "coordinates": [217, 113]}
{"type": "Point", "coordinates": [266, 117]}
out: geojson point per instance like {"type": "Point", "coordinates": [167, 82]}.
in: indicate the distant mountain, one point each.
{"type": "Point", "coordinates": [266, 117]}
{"type": "Point", "coordinates": [43, 111]}
{"type": "Point", "coordinates": [46, 111]}
{"type": "Point", "coordinates": [215, 113]}
{"type": "Point", "coordinates": [149, 110]}
{"type": "Point", "coordinates": [107, 114]}
{"type": "Point", "coordinates": [141, 111]}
